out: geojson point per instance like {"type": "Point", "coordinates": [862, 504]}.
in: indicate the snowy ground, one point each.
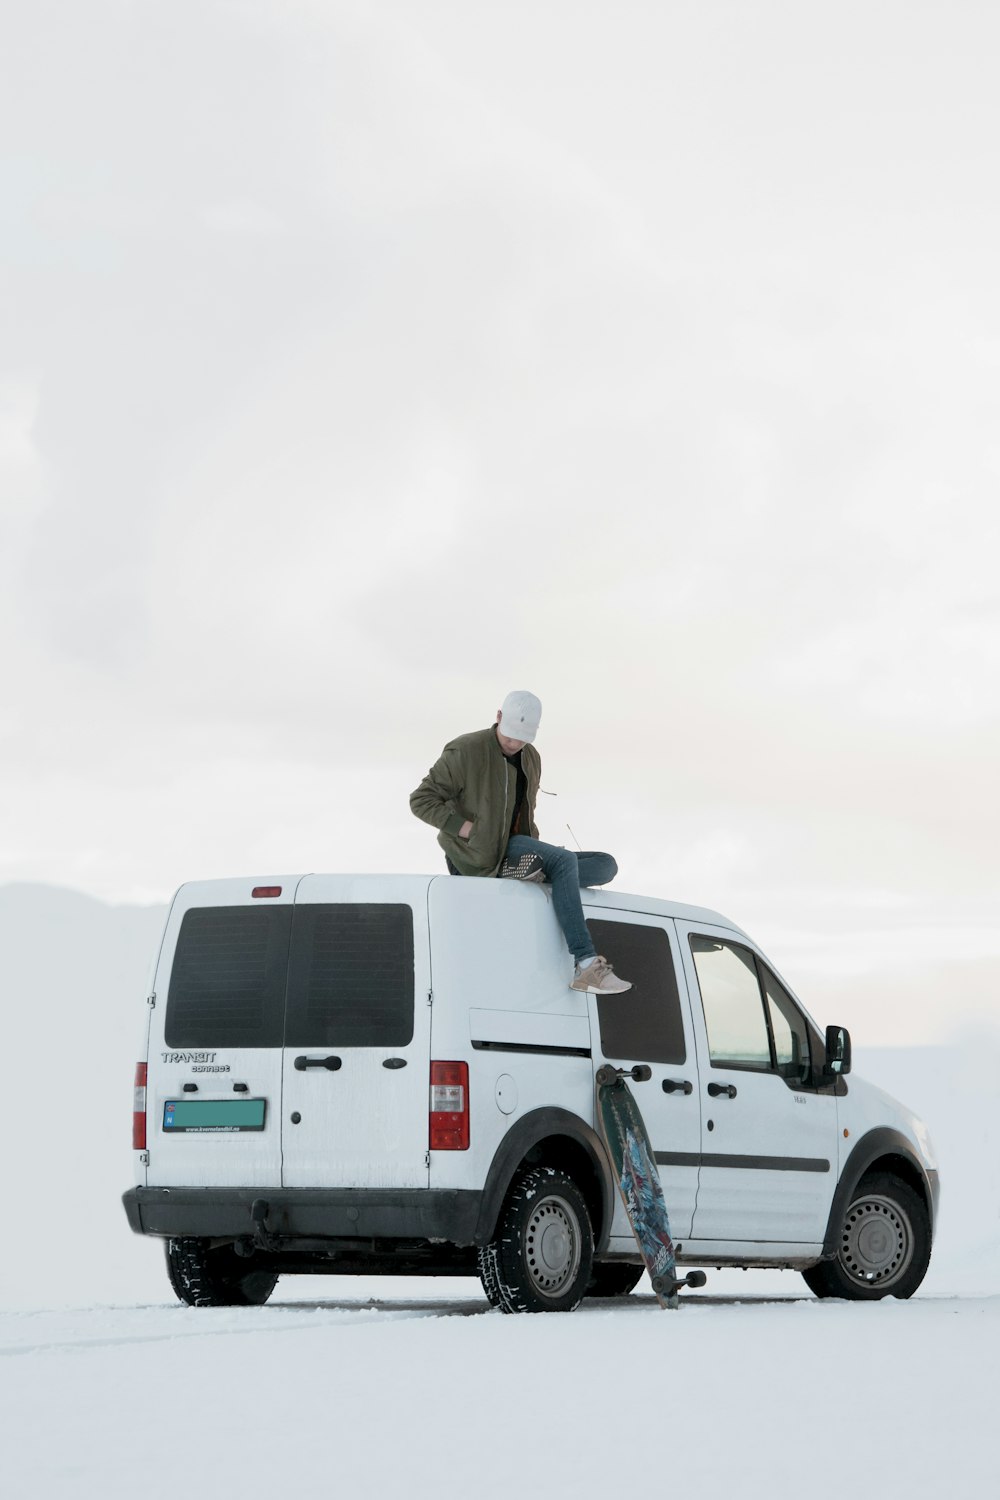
{"type": "Point", "coordinates": [436, 1395]}
{"type": "Point", "coordinates": [366, 1387]}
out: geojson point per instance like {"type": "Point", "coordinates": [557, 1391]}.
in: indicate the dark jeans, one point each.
{"type": "Point", "coordinates": [568, 871]}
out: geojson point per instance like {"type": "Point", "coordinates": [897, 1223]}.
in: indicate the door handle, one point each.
{"type": "Point", "coordinates": [330, 1063]}
{"type": "Point", "coordinates": [722, 1090]}
{"type": "Point", "coordinates": [677, 1086]}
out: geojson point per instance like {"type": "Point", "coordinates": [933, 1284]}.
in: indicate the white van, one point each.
{"type": "Point", "coordinates": [340, 1077]}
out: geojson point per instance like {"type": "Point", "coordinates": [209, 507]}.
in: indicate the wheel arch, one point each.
{"type": "Point", "coordinates": [881, 1150]}
{"type": "Point", "coordinates": [555, 1138]}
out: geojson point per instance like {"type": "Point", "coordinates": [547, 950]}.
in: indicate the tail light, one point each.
{"type": "Point", "coordinates": [449, 1119]}
{"type": "Point", "coordinates": [139, 1109]}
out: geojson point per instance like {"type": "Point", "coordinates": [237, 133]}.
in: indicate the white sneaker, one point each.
{"type": "Point", "coordinates": [598, 978]}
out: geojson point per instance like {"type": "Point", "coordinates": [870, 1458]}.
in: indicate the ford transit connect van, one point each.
{"type": "Point", "coordinates": [339, 1077]}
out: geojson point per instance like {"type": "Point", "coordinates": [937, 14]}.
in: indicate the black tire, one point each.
{"type": "Point", "coordinates": [486, 1264]}
{"type": "Point", "coordinates": [544, 1245]}
{"type": "Point", "coordinates": [616, 1279]}
{"type": "Point", "coordinates": [202, 1277]}
{"type": "Point", "coordinates": [884, 1246]}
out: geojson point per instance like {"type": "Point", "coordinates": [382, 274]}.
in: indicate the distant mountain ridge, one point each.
{"type": "Point", "coordinates": [73, 976]}
{"type": "Point", "coordinates": [53, 936]}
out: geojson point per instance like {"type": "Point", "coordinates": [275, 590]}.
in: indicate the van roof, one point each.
{"type": "Point", "coordinates": [654, 906]}
{"type": "Point", "coordinates": [227, 891]}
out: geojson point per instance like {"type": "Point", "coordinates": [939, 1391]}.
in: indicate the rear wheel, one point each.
{"type": "Point", "coordinates": [884, 1246]}
{"type": "Point", "coordinates": [544, 1246]}
{"type": "Point", "coordinates": [486, 1264]}
{"type": "Point", "coordinates": [614, 1279]}
{"type": "Point", "coordinates": [203, 1277]}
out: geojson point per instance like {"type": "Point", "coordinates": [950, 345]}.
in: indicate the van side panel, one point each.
{"type": "Point", "coordinates": [500, 976]}
{"type": "Point", "coordinates": [651, 1025]}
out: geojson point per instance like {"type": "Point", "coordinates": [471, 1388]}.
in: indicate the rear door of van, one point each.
{"type": "Point", "coordinates": [356, 1059]}
{"type": "Point", "coordinates": [214, 1062]}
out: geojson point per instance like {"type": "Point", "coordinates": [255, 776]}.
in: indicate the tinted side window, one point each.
{"type": "Point", "coordinates": [645, 1024]}
{"type": "Point", "coordinates": [227, 984]}
{"type": "Point", "coordinates": [350, 976]}
{"type": "Point", "coordinates": [732, 1002]}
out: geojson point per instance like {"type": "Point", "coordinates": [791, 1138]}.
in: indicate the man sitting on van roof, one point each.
{"type": "Point", "coordinates": [487, 826]}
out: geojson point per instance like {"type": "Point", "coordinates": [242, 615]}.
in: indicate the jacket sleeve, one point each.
{"type": "Point", "coordinates": [532, 825]}
{"type": "Point", "coordinates": [436, 799]}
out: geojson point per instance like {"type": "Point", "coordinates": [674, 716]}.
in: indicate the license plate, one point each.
{"type": "Point", "coordinates": [216, 1116]}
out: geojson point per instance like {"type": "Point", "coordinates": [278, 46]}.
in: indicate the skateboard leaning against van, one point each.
{"type": "Point", "coordinates": [634, 1163]}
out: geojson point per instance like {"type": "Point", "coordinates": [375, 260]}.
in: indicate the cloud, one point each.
{"type": "Point", "coordinates": [239, 217]}
{"type": "Point", "coordinates": [363, 362]}
{"type": "Point", "coordinates": [18, 410]}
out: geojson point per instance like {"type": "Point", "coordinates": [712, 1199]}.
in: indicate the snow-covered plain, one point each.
{"type": "Point", "coordinates": [361, 1386]}
{"type": "Point", "coordinates": [440, 1396]}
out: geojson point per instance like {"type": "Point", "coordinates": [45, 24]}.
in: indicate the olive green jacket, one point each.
{"type": "Point", "coordinates": [472, 780]}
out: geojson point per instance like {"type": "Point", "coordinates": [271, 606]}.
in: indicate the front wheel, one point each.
{"type": "Point", "coordinates": [884, 1247]}
{"type": "Point", "coordinates": [543, 1250]}
{"type": "Point", "coordinates": [204, 1277]}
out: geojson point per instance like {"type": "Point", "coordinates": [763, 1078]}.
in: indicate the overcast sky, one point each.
{"type": "Point", "coordinates": [361, 362]}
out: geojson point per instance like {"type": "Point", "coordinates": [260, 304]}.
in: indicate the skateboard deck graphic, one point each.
{"type": "Point", "coordinates": [621, 1126]}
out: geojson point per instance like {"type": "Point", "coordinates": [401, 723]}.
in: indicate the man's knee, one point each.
{"type": "Point", "coordinates": [597, 868]}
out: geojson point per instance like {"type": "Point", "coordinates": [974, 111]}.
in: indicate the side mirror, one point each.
{"type": "Point", "coordinates": [838, 1051]}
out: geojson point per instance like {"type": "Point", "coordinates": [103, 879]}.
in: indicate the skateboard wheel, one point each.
{"type": "Point", "coordinates": [641, 1073]}
{"type": "Point", "coordinates": [607, 1075]}
{"type": "Point", "coordinates": [696, 1278]}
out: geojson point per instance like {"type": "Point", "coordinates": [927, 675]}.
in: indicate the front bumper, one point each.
{"type": "Point", "coordinates": [934, 1187]}
{"type": "Point", "coordinates": [313, 1213]}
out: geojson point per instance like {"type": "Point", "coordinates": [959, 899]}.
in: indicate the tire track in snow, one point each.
{"type": "Point", "coordinates": [342, 1316]}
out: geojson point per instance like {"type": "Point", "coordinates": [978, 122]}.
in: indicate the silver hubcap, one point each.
{"type": "Point", "coordinates": [877, 1243]}
{"type": "Point", "coordinates": [552, 1247]}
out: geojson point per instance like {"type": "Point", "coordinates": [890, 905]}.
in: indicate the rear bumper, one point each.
{"type": "Point", "coordinates": [326, 1213]}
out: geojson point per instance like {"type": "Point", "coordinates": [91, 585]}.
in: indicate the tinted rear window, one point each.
{"type": "Point", "coordinates": [350, 980]}
{"type": "Point", "coordinates": [227, 985]}
{"type": "Point", "coordinates": [645, 1024]}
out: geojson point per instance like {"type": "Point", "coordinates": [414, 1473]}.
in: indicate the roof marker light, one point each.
{"type": "Point", "coordinates": [266, 890]}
